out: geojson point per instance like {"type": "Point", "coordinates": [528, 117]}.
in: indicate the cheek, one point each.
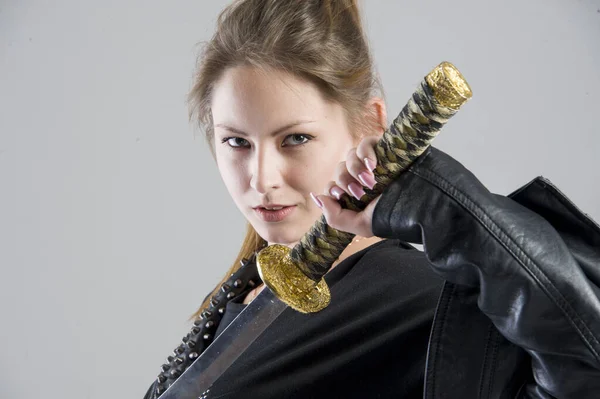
{"type": "Point", "coordinates": [234, 176]}
{"type": "Point", "coordinates": [314, 174]}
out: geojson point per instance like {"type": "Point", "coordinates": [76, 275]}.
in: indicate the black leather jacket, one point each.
{"type": "Point", "coordinates": [519, 315]}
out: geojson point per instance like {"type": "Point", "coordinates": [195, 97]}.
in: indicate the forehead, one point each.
{"type": "Point", "coordinates": [264, 98]}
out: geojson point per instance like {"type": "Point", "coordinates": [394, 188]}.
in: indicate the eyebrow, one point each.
{"type": "Point", "coordinates": [276, 132]}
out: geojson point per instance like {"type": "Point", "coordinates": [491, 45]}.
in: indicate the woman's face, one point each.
{"type": "Point", "coordinates": [276, 141]}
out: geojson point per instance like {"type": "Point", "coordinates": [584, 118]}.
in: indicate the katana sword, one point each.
{"type": "Point", "coordinates": [295, 276]}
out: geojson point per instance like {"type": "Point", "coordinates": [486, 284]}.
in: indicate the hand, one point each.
{"type": "Point", "coordinates": [350, 178]}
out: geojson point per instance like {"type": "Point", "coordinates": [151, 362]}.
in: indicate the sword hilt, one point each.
{"type": "Point", "coordinates": [296, 275]}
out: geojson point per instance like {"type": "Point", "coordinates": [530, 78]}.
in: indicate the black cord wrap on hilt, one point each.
{"type": "Point", "coordinates": [406, 139]}
{"type": "Point", "coordinates": [296, 275]}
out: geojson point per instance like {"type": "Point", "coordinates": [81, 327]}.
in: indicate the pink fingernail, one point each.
{"type": "Point", "coordinates": [356, 190]}
{"type": "Point", "coordinates": [336, 192]}
{"type": "Point", "coordinates": [317, 201]}
{"type": "Point", "coordinates": [367, 179]}
{"type": "Point", "coordinates": [370, 164]}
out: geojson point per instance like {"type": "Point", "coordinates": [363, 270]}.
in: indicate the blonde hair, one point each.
{"type": "Point", "coordinates": [321, 41]}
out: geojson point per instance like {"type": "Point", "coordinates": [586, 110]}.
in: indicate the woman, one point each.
{"type": "Point", "coordinates": [503, 303]}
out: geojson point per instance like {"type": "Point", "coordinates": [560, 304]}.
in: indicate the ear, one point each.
{"type": "Point", "coordinates": [376, 116]}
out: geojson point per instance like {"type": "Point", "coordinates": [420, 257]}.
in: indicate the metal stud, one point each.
{"type": "Point", "coordinates": [207, 336]}
{"type": "Point", "coordinates": [214, 302]}
{"type": "Point", "coordinates": [191, 344]}
{"type": "Point", "coordinates": [180, 349]}
{"type": "Point", "coordinates": [243, 262]}
{"type": "Point", "coordinates": [195, 330]}
{"type": "Point", "coordinates": [237, 283]}
{"type": "Point", "coordinates": [251, 283]}
{"type": "Point", "coordinates": [175, 373]}
{"type": "Point", "coordinates": [185, 339]}
{"type": "Point", "coordinates": [161, 378]}
{"type": "Point", "coordinates": [198, 322]}
{"type": "Point", "coordinates": [170, 359]}
{"type": "Point", "coordinates": [179, 360]}
{"type": "Point", "coordinates": [221, 310]}
{"type": "Point", "coordinates": [193, 355]}
{"type": "Point", "coordinates": [206, 314]}
{"type": "Point", "coordinates": [165, 367]}
{"type": "Point", "coordinates": [225, 287]}
{"type": "Point", "coordinates": [230, 295]}
{"type": "Point", "coordinates": [160, 390]}
{"type": "Point", "coordinates": [209, 324]}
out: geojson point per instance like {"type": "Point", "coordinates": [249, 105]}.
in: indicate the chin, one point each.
{"type": "Point", "coordinates": [280, 235]}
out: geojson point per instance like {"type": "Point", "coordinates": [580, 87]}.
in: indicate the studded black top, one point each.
{"type": "Point", "coordinates": [205, 328]}
{"type": "Point", "coordinates": [370, 342]}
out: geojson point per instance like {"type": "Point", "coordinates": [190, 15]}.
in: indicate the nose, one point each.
{"type": "Point", "coordinates": [265, 170]}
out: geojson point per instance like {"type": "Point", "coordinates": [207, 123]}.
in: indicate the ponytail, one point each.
{"type": "Point", "coordinates": [252, 243]}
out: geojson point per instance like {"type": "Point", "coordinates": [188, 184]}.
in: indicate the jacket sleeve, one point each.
{"type": "Point", "coordinates": [529, 284]}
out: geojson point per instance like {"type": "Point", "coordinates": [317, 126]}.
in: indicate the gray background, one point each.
{"type": "Point", "coordinates": [114, 223]}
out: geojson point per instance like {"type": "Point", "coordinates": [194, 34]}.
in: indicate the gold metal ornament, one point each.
{"type": "Point", "coordinates": [288, 283]}
{"type": "Point", "coordinates": [449, 87]}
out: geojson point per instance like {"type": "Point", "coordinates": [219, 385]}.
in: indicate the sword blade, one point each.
{"type": "Point", "coordinates": [227, 347]}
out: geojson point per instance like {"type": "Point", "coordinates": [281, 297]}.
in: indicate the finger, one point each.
{"type": "Point", "coordinates": [343, 219]}
{"type": "Point", "coordinates": [363, 160]}
{"type": "Point", "coordinates": [345, 180]}
{"type": "Point", "coordinates": [366, 151]}
{"type": "Point", "coordinates": [353, 189]}
{"type": "Point", "coordinates": [357, 169]}
{"type": "Point", "coordinates": [334, 190]}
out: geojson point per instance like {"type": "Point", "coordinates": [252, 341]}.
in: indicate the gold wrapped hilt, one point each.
{"type": "Point", "coordinates": [295, 275]}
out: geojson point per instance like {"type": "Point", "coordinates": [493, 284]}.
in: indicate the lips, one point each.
{"type": "Point", "coordinates": [270, 206]}
{"type": "Point", "coordinates": [274, 213]}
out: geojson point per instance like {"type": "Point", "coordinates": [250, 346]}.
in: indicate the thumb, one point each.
{"type": "Point", "coordinates": [337, 217]}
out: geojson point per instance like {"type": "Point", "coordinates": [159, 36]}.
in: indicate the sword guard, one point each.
{"type": "Point", "coordinates": [283, 277]}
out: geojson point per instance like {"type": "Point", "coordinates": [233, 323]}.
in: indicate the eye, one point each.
{"type": "Point", "coordinates": [236, 142]}
{"type": "Point", "coordinates": [297, 139]}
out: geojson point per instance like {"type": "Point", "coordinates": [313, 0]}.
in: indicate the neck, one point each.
{"type": "Point", "coordinates": [358, 244]}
